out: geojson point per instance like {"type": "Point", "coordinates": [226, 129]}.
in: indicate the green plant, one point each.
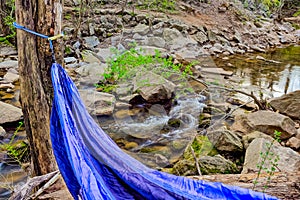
{"type": "Point", "coordinates": [271, 158]}
{"type": "Point", "coordinates": [164, 5]}
{"type": "Point", "coordinates": [7, 18]}
{"type": "Point", "coordinates": [18, 150]}
{"type": "Point", "coordinates": [125, 65]}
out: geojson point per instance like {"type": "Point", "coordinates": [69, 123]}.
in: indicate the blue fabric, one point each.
{"type": "Point", "coordinates": [95, 168]}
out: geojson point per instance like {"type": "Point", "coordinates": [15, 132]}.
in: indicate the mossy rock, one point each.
{"type": "Point", "coordinates": [201, 146]}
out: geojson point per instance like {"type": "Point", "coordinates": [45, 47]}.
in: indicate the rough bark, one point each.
{"type": "Point", "coordinates": [35, 80]}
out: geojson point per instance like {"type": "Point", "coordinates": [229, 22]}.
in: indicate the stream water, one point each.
{"type": "Point", "coordinates": [276, 72]}
{"type": "Point", "coordinates": [168, 132]}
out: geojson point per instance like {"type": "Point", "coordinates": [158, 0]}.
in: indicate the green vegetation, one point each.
{"type": "Point", "coordinates": [271, 158]}
{"type": "Point", "coordinates": [125, 65]}
{"type": "Point", "coordinates": [7, 18]}
{"type": "Point", "coordinates": [18, 150]}
{"type": "Point", "coordinates": [162, 5]}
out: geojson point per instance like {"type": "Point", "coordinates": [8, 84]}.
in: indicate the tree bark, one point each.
{"type": "Point", "coordinates": [35, 81]}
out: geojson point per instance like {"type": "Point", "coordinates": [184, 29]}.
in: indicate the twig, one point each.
{"type": "Point", "coordinates": [47, 185]}
{"type": "Point", "coordinates": [196, 160]}
{"type": "Point", "coordinates": [24, 192]}
{"type": "Point", "coordinates": [260, 105]}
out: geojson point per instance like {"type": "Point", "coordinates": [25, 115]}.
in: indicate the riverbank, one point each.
{"type": "Point", "coordinates": [194, 33]}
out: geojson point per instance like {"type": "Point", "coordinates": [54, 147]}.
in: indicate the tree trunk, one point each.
{"type": "Point", "coordinates": [3, 28]}
{"type": "Point", "coordinates": [35, 80]}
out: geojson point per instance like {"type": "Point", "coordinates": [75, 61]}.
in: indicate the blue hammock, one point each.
{"type": "Point", "coordinates": [95, 168]}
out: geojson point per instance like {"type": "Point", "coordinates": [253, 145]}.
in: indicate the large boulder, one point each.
{"type": "Point", "coordinates": [225, 140]}
{"type": "Point", "coordinates": [208, 165]}
{"type": "Point", "coordinates": [288, 104]}
{"type": "Point", "coordinates": [152, 87]}
{"type": "Point", "coordinates": [98, 103]}
{"type": "Point", "coordinates": [248, 138]}
{"type": "Point", "coordinates": [289, 160]}
{"type": "Point", "coordinates": [91, 73]}
{"type": "Point", "coordinates": [9, 113]}
{"type": "Point", "coordinates": [266, 122]}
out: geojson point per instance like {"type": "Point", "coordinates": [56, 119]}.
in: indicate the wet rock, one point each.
{"type": "Point", "coordinates": [91, 42]}
{"type": "Point", "coordinates": [9, 113]}
{"type": "Point", "coordinates": [152, 87]}
{"type": "Point", "coordinates": [294, 143]}
{"type": "Point", "coordinates": [225, 140]}
{"type": "Point", "coordinates": [247, 139]}
{"type": "Point", "coordinates": [266, 122]}
{"type": "Point", "coordinates": [289, 160]}
{"type": "Point", "coordinates": [131, 145]}
{"type": "Point", "coordinates": [288, 104]}
{"type": "Point", "coordinates": [98, 103]}
{"type": "Point", "coordinates": [9, 64]}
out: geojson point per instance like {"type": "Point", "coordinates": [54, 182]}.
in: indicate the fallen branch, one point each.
{"type": "Point", "coordinates": [47, 185]}
{"type": "Point", "coordinates": [258, 102]}
{"type": "Point", "coordinates": [196, 160]}
{"type": "Point", "coordinates": [24, 192]}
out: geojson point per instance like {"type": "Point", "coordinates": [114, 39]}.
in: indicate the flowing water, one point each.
{"type": "Point", "coordinates": [277, 72]}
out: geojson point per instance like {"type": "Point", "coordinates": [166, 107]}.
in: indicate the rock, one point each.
{"type": "Point", "coordinates": [70, 60]}
{"type": "Point", "coordinates": [298, 133]}
{"type": "Point", "coordinates": [148, 50]}
{"type": "Point", "coordinates": [200, 37]}
{"type": "Point", "coordinates": [90, 57]}
{"type": "Point", "coordinates": [98, 103]}
{"type": "Point", "coordinates": [225, 140]}
{"type": "Point", "coordinates": [247, 139]}
{"type": "Point", "coordinates": [294, 143]}
{"type": "Point", "coordinates": [7, 51]}
{"type": "Point", "coordinates": [217, 165]}
{"type": "Point", "coordinates": [91, 42]}
{"type": "Point", "coordinates": [208, 165]}
{"type": "Point", "coordinates": [9, 64]}
{"type": "Point", "coordinates": [171, 34]}
{"type": "Point", "coordinates": [131, 145]}
{"type": "Point", "coordinates": [289, 160]}
{"type": "Point", "coordinates": [152, 87]}
{"type": "Point", "coordinates": [266, 122]}
{"type": "Point", "coordinates": [123, 89]}
{"type": "Point", "coordinates": [155, 41]}
{"type": "Point", "coordinates": [141, 29]}
{"type": "Point", "coordinates": [11, 76]}
{"type": "Point", "coordinates": [180, 42]}
{"type": "Point", "coordinates": [2, 132]}
{"type": "Point", "coordinates": [215, 70]}
{"type": "Point", "coordinates": [9, 113]}
{"type": "Point", "coordinates": [288, 104]}
{"type": "Point", "coordinates": [91, 73]}
{"type": "Point", "coordinates": [7, 86]}
{"type": "Point", "coordinates": [105, 54]}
